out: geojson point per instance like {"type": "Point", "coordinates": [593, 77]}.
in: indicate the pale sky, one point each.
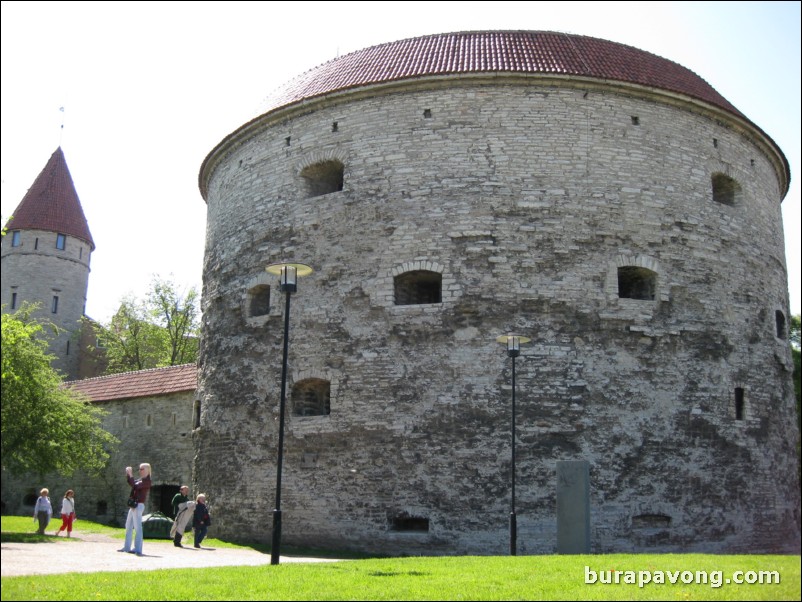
{"type": "Point", "coordinates": [149, 89]}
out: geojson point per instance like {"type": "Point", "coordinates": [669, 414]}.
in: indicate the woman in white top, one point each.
{"type": "Point", "coordinates": [67, 512]}
{"type": "Point", "coordinates": [43, 510]}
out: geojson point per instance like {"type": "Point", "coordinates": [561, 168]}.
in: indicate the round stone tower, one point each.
{"type": "Point", "coordinates": [602, 201]}
{"type": "Point", "coordinates": [45, 260]}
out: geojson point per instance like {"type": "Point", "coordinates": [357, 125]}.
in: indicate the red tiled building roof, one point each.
{"type": "Point", "coordinates": [52, 203]}
{"type": "Point", "coordinates": [524, 52]}
{"type": "Point", "coordinates": [541, 54]}
{"type": "Point", "coordinates": [142, 383]}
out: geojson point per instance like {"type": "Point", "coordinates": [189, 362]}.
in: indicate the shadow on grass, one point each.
{"type": "Point", "coordinates": [304, 552]}
{"type": "Point", "coordinates": [22, 537]}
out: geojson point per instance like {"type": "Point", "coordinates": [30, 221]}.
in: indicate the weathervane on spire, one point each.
{"type": "Point", "coordinates": [61, 132]}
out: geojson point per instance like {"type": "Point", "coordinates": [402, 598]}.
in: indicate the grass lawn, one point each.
{"type": "Point", "coordinates": [574, 577]}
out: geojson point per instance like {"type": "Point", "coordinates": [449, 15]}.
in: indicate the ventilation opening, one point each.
{"type": "Point", "coordinates": [636, 283]}
{"type": "Point", "coordinates": [418, 288]}
{"type": "Point", "coordinates": [740, 404]}
{"type": "Point", "coordinates": [259, 300]}
{"type": "Point", "coordinates": [635, 120]}
{"type": "Point", "coordinates": [725, 190]}
{"type": "Point", "coordinates": [311, 397]}
{"type": "Point", "coordinates": [427, 113]}
{"type": "Point", "coordinates": [309, 460]}
{"type": "Point", "coordinates": [323, 178]}
{"type": "Point", "coordinates": [779, 318]}
{"type": "Point", "coordinates": [651, 521]}
{"type": "Point", "coordinates": [405, 522]}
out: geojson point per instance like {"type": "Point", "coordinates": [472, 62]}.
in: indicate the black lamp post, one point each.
{"type": "Point", "coordinates": [288, 277]}
{"type": "Point", "coordinates": [513, 343]}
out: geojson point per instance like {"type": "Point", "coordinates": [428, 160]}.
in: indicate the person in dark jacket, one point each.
{"type": "Point", "coordinates": [139, 492]}
{"type": "Point", "coordinates": [182, 522]}
{"type": "Point", "coordinates": [179, 498]}
{"type": "Point", "coordinates": [201, 520]}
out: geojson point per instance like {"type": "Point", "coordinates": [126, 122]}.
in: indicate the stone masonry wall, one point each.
{"type": "Point", "coordinates": [37, 271]}
{"type": "Point", "coordinates": [157, 430]}
{"type": "Point", "coordinates": [526, 198]}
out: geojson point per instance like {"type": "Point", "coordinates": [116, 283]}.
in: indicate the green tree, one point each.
{"type": "Point", "coordinates": [45, 426]}
{"type": "Point", "coordinates": [131, 341]}
{"type": "Point", "coordinates": [160, 331]}
{"type": "Point", "coordinates": [178, 315]}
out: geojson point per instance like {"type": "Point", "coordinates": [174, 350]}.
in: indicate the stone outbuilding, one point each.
{"type": "Point", "coordinates": [151, 413]}
{"type": "Point", "coordinates": [605, 202]}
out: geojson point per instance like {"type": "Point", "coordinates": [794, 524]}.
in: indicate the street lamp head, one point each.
{"type": "Point", "coordinates": [513, 343]}
{"type": "Point", "coordinates": [288, 274]}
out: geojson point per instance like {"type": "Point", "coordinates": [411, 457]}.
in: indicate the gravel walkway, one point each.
{"type": "Point", "coordinates": [91, 553]}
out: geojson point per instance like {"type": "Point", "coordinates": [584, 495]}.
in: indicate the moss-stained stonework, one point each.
{"type": "Point", "coordinates": [528, 196]}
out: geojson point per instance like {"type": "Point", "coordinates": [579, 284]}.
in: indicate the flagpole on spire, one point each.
{"type": "Point", "coordinates": [61, 130]}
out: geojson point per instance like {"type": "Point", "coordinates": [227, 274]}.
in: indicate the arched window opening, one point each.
{"type": "Point", "coordinates": [323, 178]}
{"type": "Point", "coordinates": [636, 283]}
{"type": "Point", "coordinates": [725, 190]}
{"type": "Point", "coordinates": [311, 397]}
{"type": "Point", "coordinates": [782, 330]}
{"type": "Point", "coordinates": [418, 287]}
{"type": "Point", "coordinates": [259, 300]}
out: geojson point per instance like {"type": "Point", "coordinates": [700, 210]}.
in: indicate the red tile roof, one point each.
{"type": "Point", "coordinates": [535, 53]}
{"type": "Point", "coordinates": [525, 52]}
{"type": "Point", "coordinates": [52, 203]}
{"type": "Point", "coordinates": [142, 383]}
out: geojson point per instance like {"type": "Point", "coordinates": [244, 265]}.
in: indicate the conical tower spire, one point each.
{"type": "Point", "coordinates": [52, 204]}
{"type": "Point", "coordinates": [45, 261]}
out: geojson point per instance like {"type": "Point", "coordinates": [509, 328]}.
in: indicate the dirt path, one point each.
{"type": "Point", "coordinates": [91, 553]}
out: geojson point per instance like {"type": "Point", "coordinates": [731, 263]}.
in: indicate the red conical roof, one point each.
{"type": "Point", "coordinates": [52, 203]}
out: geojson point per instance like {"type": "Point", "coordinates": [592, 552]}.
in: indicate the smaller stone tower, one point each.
{"type": "Point", "coordinates": [45, 259]}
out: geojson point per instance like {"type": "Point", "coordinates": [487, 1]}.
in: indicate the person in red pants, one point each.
{"type": "Point", "coordinates": [67, 512]}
